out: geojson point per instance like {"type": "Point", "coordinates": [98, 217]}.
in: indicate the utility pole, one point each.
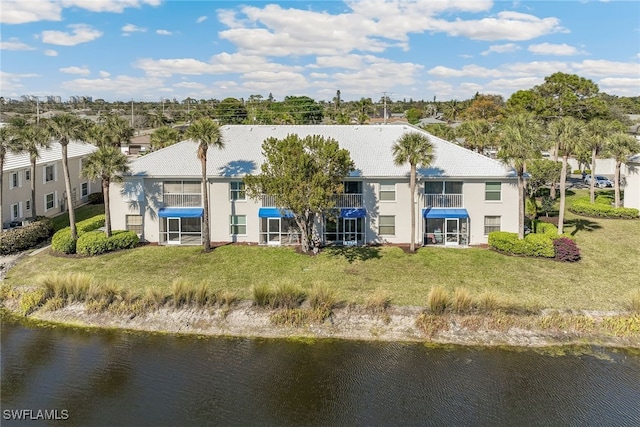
{"type": "Point", "coordinates": [131, 112]}
{"type": "Point", "coordinates": [384, 94]}
{"type": "Point", "coordinates": [37, 110]}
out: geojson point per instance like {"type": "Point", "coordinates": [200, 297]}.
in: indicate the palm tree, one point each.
{"type": "Point", "coordinates": [416, 149]}
{"type": "Point", "coordinates": [520, 139]}
{"type": "Point", "coordinates": [363, 107]}
{"type": "Point", "coordinates": [475, 134]}
{"type": "Point", "coordinates": [100, 136]}
{"type": "Point", "coordinates": [620, 146]}
{"type": "Point", "coordinates": [8, 143]}
{"type": "Point", "coordinates": [598, 130]}
{"type": "Point", "coordinates": [65, 127]}
{"type": "Point", "coordinates": [206, 133]}
{"type": "Point", "coordinates": [163, 137]}
{"type": "Point", "coordinates": [107, 164]}
{"type": "Point", "coordinates": [567, 133]}
{"type": "Point", "coordinates": [34, 138]}
{"type": "Point", "coordinates": [120, 129]}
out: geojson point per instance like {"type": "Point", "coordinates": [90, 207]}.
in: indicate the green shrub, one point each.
{"type": "Point", "coordinates": [583, 206]}
{"type": "Point", "coordinates": [534, 245]}
{"type": "Point", "coordinates": [97, 242]}
{"type": "Point", "coordinates": [287, 295]}
{"type": "Point", "coordinates": [322, 297]}
{"type": "Point", "coordinates": [62, 240]}
{"type": "Point", "coordinates": [96, 198]}
{"type": "Point", "coordinates": [262, 295]}
{"type": "Point", "coordinates": [20, 239]}
{"type": "Point", "coordinates": [30, 301]}
{"type": "Point", "coordinates": [541, 227]}
{"type": "Point", "coordinates": [605, 199]}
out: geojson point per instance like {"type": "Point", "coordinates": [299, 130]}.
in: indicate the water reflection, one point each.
{"type": "Point", "coordinates": [121, 379]}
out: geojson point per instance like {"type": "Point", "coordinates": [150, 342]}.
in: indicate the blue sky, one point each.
{"type": "Point", "coordinates": [450, 49]}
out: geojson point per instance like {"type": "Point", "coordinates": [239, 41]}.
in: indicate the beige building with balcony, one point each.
{"type": "Point", "coordinates": [460, 198]}
{"type": "Point", "coordinates": [49, 183]}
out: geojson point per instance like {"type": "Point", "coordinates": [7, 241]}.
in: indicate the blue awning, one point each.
{"type": "Point", "coordinates": [274, 213]}
{"type": "Point", "coordinates": [353, 213]}
{"type": "Point", "coordinates": [433, 213]}
{"type": "Point", "coordinates": [180, 212]}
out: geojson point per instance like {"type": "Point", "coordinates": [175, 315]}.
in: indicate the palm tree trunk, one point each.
{"type": "Point", "coordinates": [563, 178]}
{"type": "Point", "coordinates": [205, 202]}
{"type": "Point", "coordinates": [552, 193]}
{"type": "Point", "coordinates": [67, 186]}
{"type": "Point", "coordinates": [1, 187]}
{"type": "Point", "coordinates": [521, 204]}
{"type": "Point", "coordinates": [34, 211]}
{"type": "Point", "coordinates": [616, 185]}
{"type": "Point", "coordinates": [412, 185]}
{"type": "Point", "coordinates": [592, 183]}
{"type": "Point", "coordinates": [107, 207]}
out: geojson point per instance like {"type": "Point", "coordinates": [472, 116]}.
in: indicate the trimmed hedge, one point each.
{"type": "Point", "coordinates": [97, 242]}
{"type": "Point", "coordinates": [602, 209]}
{"type": "Point", "coordinates": [534, 245]}
{"type": "Point", "coordinates": [566, 250]}
{"type": "Point", "coordinates": [96, 198]}
{"type": "Point", "coordinates": [62, 241]}
{"type": "Point", "coordinates": [20, 239]}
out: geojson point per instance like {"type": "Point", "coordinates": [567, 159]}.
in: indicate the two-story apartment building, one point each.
{"type": "Point", "coordinates": [49, 182]}
{"type": "Point", "coordinates": [632, 182]}
{"type": "Point", "coordinates": [461, 197]}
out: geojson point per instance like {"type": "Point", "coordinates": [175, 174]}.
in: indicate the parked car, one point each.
{"type": "Point", "coordinates": [601, 181]}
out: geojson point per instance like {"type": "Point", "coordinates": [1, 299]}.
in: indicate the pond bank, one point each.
{"type": "Point", "coordinates": [397, 323]}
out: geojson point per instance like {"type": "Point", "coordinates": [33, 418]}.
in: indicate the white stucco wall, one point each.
{"type": "Point", "coordinates": [632, 185]}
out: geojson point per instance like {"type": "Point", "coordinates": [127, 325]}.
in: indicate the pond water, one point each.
{"type": "Point", "coordinates": [118, 379]}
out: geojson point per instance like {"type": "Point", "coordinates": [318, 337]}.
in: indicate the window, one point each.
{"type": "Point", "coordinates": [49, 173]}
{"type": "Point", "coordinates": [134, 223]}
{"type": "Point", "coordinates": [491, 223]}
{"type": "Point", "coordinates": [440, 187]}
{"type": "Point", "coordinates": [238, 224]}
{"type": "Point", "coordinates": [387, 192]}
{"type": "Point", "coordinates": [27, 175]}
{"type": "Point", "coordinates": [237, 191]}
{"type": "Point", "coordinates": [387, 225]}
{"type": "Point", "coordinates": [492, 191]}
{"type": "Point", "coordinates": [49, 201]}
{"type": "Point", "coordinates": [15, 212]}
{"type": "Point", "coordinates": [85, 189]}
{"type": "Point", "coordinates": [14, 180]}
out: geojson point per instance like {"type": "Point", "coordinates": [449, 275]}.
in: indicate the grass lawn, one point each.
{"type": "Point", "coordinates": [83, 212]}
{"type": "Point", "coordinates": [601, 280]}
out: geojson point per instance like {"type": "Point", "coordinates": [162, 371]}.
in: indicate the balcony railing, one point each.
{"type": "Point", "coordinates": [182, 200]}
{"type": "Point", "coordinates": [443, 200]}
{"type": "Point", "coordinates": [342, 201]}
{"type": "Point", "coordinates": [349, 201]}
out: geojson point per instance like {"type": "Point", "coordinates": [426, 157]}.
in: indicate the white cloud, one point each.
{"type": "Point", "coordinates": [14, 44]}
{"type": "Point", "coordinates": [553, 49]}
{"type": "Point", "coordinates": [501, 48]}
{"type": "Point", "coordinates": [24, 11]}
{"type": "Point", "coordinates": [104, 74]}
{"type": "Point", "coordinates": [76, 70]}
{"type": "Point", "coordinates": [121, 85]}
{"type": "Point", "coordinates": [190, 85]}
{"type": "Point", "coordinates": [130, 28]}
{"type": "Point", "coordinates": [620, 86]}
{"type": "Point", "coordinates": [603, 67]}
{"type": "Point", "coordinates": [10, 82]}
{"type": "Point", "coordinates": [80, 33]}
{"type": "Point", "coordinates": [51, 52]}
{"type": "Point", "coordinates": [164, 32]}
{"type": "Point", "coordinates": [201, 19]}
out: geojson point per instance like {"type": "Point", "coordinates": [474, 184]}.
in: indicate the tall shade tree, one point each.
{"type": "Point", "coordinates": [34, 138]}
{"type": "Point", "coordinates": [521, 139]}
{"type": "Point", "coordinates": [8, 143]}
{"type": "Point", "coordinates": [207, 134]}
{"type": "Point", "coordinates": [64, 128]}
{"type": "Point", "coordinates": [597, 132]}
{"type": "Point", "coordinates": [567, 132]}
{"type": "Point", "coordinates": [620, 146]}
{"type": "Point", "coordinates": [163, 137]}
{"type": "Point", "coordinates": [416, 149]}
{"type": "Point", "coordinates": [303, 175]}
{"type": "Point", "coordinates": [107, 164]}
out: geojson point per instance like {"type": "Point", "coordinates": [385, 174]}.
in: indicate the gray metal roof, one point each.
{"type": "Point", "coordinates": [52, 154]}
{"type": "Point", "coordinates": [370, 148]}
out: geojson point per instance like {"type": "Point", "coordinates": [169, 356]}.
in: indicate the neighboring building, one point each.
{"type": "Point", "coordinates": [462, 196]}
{"type": "Point", "coordinates": [49, 180]}
{"type": "Point", "coordinates": [632, 183]}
